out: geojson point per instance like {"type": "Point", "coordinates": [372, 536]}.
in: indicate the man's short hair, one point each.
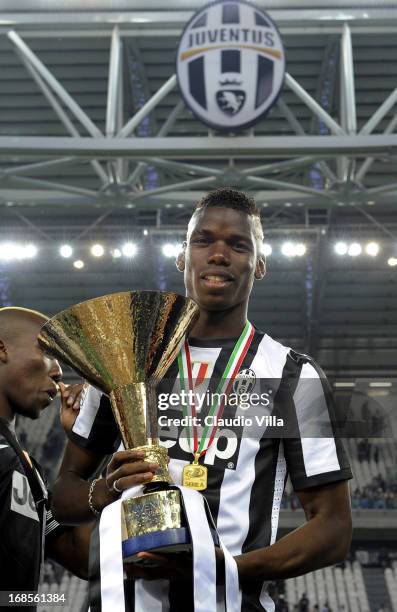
{"type": "Point", "coordinates": [237, 200]}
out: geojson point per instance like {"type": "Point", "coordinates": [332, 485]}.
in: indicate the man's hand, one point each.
{"type": "Point", "coordinates": [126, 469]}
{"type": "Point", "coordinates": [173, 566]}
{"type": "Point", "coordinates": [70, 404]}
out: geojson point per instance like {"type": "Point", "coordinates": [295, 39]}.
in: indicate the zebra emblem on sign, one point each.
{"type": "Point", "coordinates": [230, 64]}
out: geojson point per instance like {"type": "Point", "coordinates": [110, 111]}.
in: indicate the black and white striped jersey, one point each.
{"type": "Point", "coordinates": [247, 464]}
{"type": "Point", "coordinates": [22, 521]}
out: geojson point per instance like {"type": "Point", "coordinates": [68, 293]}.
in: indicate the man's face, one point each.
{"type": "Point", "coordinates": [221, 258]}
{"type": "Point", "coordinates": [29, 375]}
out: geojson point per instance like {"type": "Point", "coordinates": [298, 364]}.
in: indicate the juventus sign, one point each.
{"type": "Point", "coordinates": [230, 64]}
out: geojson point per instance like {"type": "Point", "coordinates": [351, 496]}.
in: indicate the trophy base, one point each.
{"type": "Point", "coordinates": [158, 542]}
{"type": "Point", "coordinates": [155, 522]}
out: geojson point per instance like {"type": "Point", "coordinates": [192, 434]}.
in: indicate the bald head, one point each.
{"type": "Point", "coordinates": [28, 375]}
{"type": "Point", "coordinates": [14, 322]}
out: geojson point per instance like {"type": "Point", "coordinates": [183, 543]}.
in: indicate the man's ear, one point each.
{"type": "Point", "coordinates": [3, 352]}
{"type": "Point", "coordinates": [260, 268]}
{"type": "Point", "coordinates": [180, 260]}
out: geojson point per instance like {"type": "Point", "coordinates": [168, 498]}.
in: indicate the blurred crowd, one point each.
{"type": "Point", "coordinates": [378, 494]}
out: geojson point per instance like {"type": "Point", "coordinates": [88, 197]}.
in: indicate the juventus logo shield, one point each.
{"type": "Point", "coordinates": [230, 64]}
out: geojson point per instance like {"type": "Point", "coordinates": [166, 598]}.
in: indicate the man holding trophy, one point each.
{"type": "Point", "coordinates": [240, 472]}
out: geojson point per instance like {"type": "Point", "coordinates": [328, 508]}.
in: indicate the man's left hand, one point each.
{"type": "Point", "coordinates": [70, 404]}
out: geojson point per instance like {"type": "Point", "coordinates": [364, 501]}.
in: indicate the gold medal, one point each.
{"type": "Point", "coordinates": [195, 476]}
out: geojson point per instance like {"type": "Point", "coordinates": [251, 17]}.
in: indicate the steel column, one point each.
{"type": "Point", "coordinates": [348, 80]}
{"type": "Point", "coordinates": [113, 83]}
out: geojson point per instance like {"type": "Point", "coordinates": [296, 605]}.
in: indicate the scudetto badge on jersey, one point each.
{"type": "Point", "coordinates": [230, 64]}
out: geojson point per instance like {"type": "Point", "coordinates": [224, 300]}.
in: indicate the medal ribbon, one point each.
{"type": "Point", "coordinates": [223, 389]}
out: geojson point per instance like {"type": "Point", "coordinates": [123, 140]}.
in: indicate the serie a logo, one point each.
{"type": "Point", "coordinates": [230, 64]}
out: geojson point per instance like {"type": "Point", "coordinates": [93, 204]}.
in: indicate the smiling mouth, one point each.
{"type": "Point", "coordinates": [216, 280]}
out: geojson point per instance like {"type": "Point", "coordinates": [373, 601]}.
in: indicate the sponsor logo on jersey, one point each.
{"type": "Point", "coordinates": [223, 452]}
{"type": "Point", "coordinates": [21, 497]}
{"type": "Point", "coordinates": [230, 64]}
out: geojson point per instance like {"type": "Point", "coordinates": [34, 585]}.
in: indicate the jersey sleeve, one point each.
{"type": "Point", "coordinates": [53, 530]}
{"type": "Point", "coordinates": [316, 455]}
{"type": "Point", "coordinates": [95, 428]}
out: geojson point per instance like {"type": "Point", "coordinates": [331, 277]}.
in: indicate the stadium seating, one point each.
{"type": "Point", "coordinates": [343, 589]}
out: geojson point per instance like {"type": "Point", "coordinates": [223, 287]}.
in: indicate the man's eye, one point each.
{"type": "Point", "coordinates": [199, 240]}
{"type": "Point", "coordinates": [241, 246]}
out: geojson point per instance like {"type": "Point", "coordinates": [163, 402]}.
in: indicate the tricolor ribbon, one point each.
{"type": "Point", "coordinates": [153, 593]}
{"type": "Point", "coordinates": [223, 389]}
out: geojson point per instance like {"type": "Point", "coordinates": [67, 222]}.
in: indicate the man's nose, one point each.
{"type": "Point", "coordinates": [219, 254]}
{"type": "Point", "coordinates": [56, 370]}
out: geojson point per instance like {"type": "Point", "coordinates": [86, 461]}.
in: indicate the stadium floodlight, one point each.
{"type": "Point", "coordinates": [116, 253]}
{"type": "Point", "coordinates": [129, 249]}
{"type": "Point", "coordinates": [344, 384]}
{"type": "Point", "coordinates": [288, 249]}
{"type": "Point", "coordinates": [372, 249]}
{"type": "Point", "coordinates": [171, 250]}
{"type": "Point", "coordinates": [380, 383]}
{"type": "Point", "coordinates": [78, 264]}
{"type": "Point", "coordinates": [300, 249]}
{"type": "Point", "coordinates": [354, 249]}
{"type": "Point", "coordinates": [97, 250]}
{"type": "Point", "coordinates": [392, 261]}
{"type": "Point", "coordinates": [340, 248]}
{"type": "Point", "coordinates": [266, 249]}
{"type": "Point", "coordinates": [66, 251]}
{"type": "Point", "coordinates": [29, 251]}
{"type": "Point", "coordinates": [10, 251]}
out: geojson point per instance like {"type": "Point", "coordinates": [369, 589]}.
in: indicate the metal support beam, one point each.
{"type": "Point", "coordinates": [58, 110]}
{"type": "Point", "coordinates": [383, 188]}
{"type": "Point", "coordinates": [168, 188]}
{"type": "Point", "coordinates": [348, 80]}
{"type": "Point", "coordinates": [342, 163]}
{"type": "Point", "coordinates": [313, 105]}
{"type": "Point", "coordinates": [380, 113]}
{"type": "Point", "coordinates": [32, 182]}
{"type": "Point", "coordinates": [113, 83]}
{"type": "Point", "coordinates": [255, 180]}
{"type": "Point", "coordinates": [289, 164]}
{"type": "Point", "coordinates": [133, 123]}
{"type": "Point", "coordinates": [163, 131]}
{"type": "Point", "coordinates": [181, 167]}
{"type": "Point", "coordinates": [54, 84]}
{"type": "Point", "coordinates": [365, 166]}
{"type": "Point", "coordinates": [198, 147]}
{"type": "Point", "coordinates": [38, 166]}
{"type": "Point", "coordinates": [297, 127]}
